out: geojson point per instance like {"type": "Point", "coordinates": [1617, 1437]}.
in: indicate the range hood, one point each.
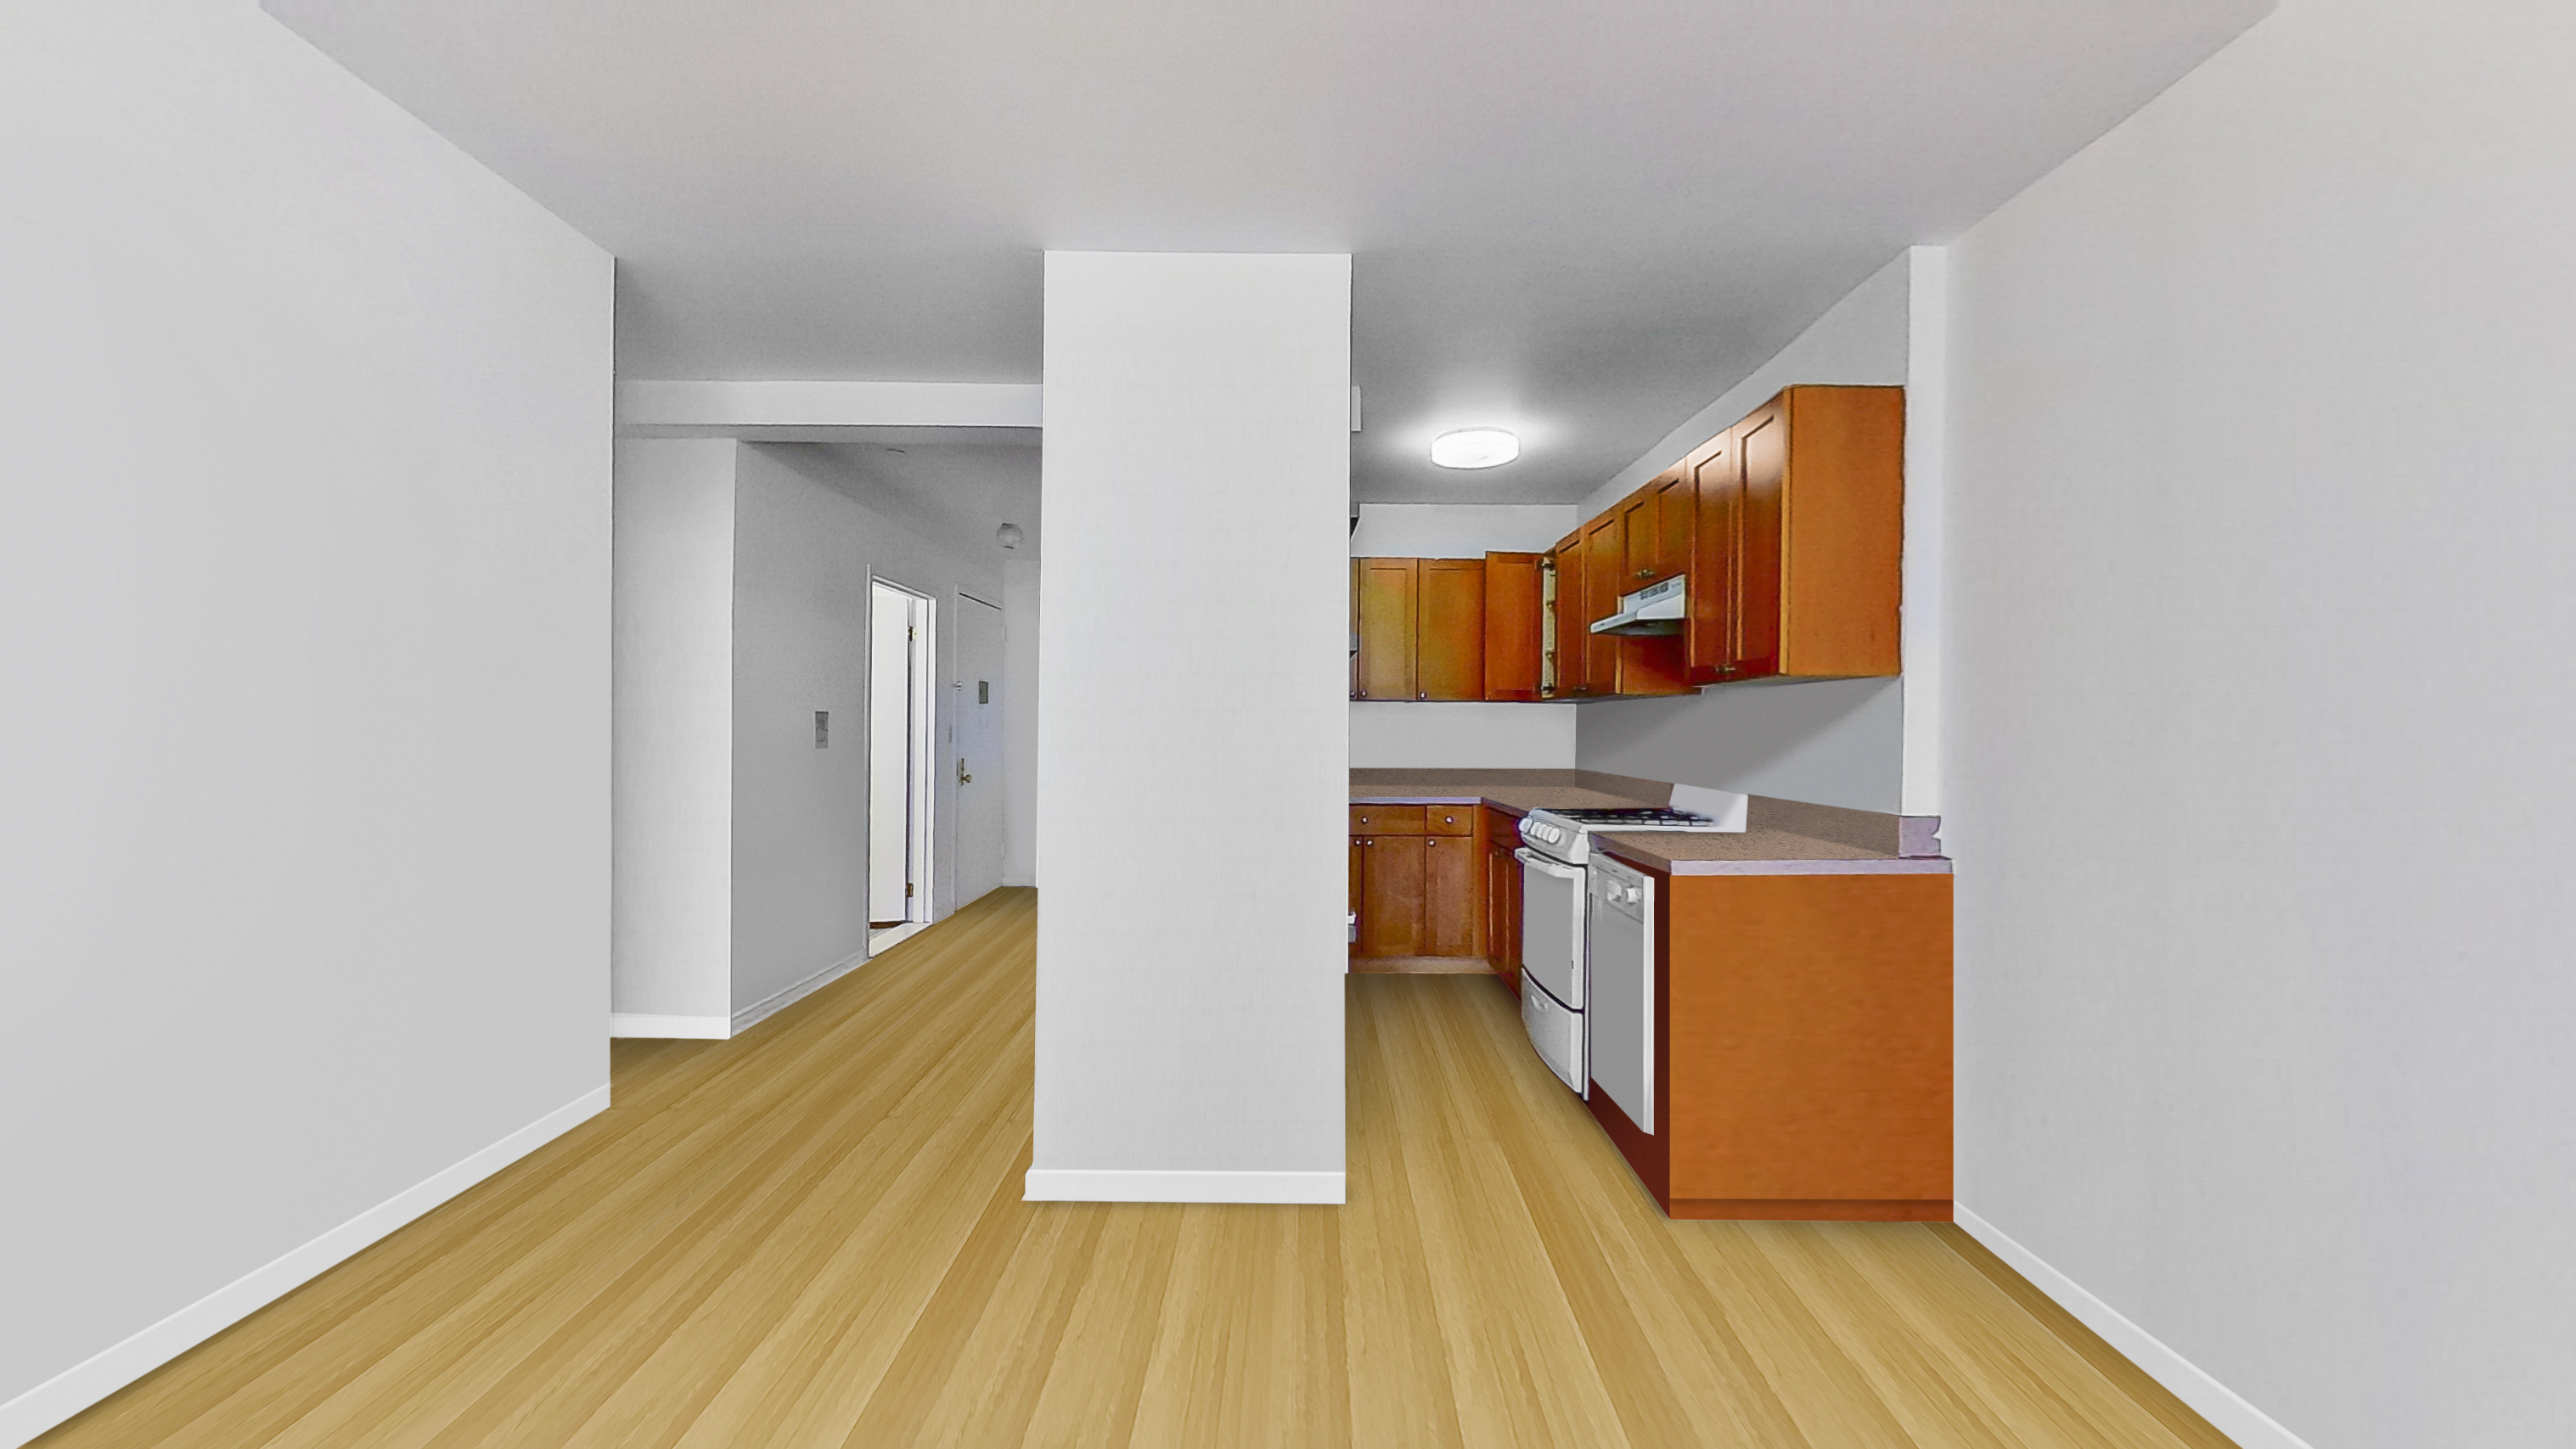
{"type": "Point", "coordinates": [1654, 609]}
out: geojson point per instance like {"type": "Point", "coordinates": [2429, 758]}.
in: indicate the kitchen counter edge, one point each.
{"type": "Point", "coordinates": [1630, 852]}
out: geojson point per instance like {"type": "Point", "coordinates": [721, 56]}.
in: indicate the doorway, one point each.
{"type": "Point", "coordinates": [977, 732]}
{"type": "Point", "coordinates": [901, 753]}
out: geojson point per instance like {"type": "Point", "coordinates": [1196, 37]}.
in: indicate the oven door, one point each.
{"type": "Point", "coordinates": [1552, 895]}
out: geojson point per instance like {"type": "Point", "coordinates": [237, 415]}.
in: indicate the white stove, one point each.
{"type": "Point", "coordinates": [1565, 835]}
{"type": "Point", "coordinates": [1587, 942]}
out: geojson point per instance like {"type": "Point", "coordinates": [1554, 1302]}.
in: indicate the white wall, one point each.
{"type": "Point", "coordinates": [1459, 530]}
{"type": "Point", "coordinates": [1189, 1014]}
{"type": "Point", "coordinates": [800, 644]}
{"type": "Point", "coordinates": [1860, 341]}
{"type": "Point", "coordinates": [672, 904]}
{"type": "Point", "coordinates": [1020, 720]}
{"type": "Point", "coordinates": [2259, 669]}
{"type": "Point", "coordinates": [797, 541]}
{"type": "Point", "coordinates": [1839, 742]}
{"type": "Point", "coordinates": [1828, 741]}
{"type": "Point", "coordinates": [304, 550]}
{"type": "Point", "coordinates": [1461, 735]}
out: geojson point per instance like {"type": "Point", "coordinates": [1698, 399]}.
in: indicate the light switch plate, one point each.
{"type": "Point", "coordinates": [822, 729]}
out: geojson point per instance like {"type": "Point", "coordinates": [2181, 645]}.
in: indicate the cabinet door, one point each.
{"type": "Point", "coordinates": [1717, 482]}
{"type": "Point", "coordinates": [1675, 512]}
{"type": "Point", "coordinates": [1449, 629]}
{"type": "Point", "coordinates": [1387, 608]}
{"type": "Point", "coordinates": [1503, 906]}
{"type": "Point", "coordinates": [1511, 625]}
{"type": "Point", "coordinates": [1391, 895]}
{"type": "Point", "coordinates": [1762, 443]}
{"type": "Point", "coordinates": [1567, 619]}
{"type": "Point", "coordinates": [1453, 898]}
{"type": "Point", "coordinates": [1355, 890]}
{"type": "Point", "coordinates": [1643, 535]}
{"type": "Point", "coordinates": [1605, 563]}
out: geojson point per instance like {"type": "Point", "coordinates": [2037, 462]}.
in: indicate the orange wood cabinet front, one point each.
{"type": "Point", "coordinates": [1420, 625]}
{"type": "Point", "coordinates": [1503, 897]}
{"type": "Point", "coordinates": [1417, 880]}
{"type": "Point", "coordinates": [1802, 1049]}
{"type": "Point", "coordinates": [1512, 625]}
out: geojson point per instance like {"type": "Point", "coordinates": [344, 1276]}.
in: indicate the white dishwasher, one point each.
{"type": "Point", "coordinates": [1619, 929]}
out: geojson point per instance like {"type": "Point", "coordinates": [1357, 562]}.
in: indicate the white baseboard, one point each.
{"type": "Point", "coordinates": [778, 1001]}
{"type": "Point", "coordinates": [880, 942]}
{"type": "Point", "coordinates": [1073, 1184]}
{"type": "Point", "coordinates": [636, 1023]}
{"type": "Point", "coordinates": [2250, 1427]}
{"type": "Point", "coordinates": [103, 1373]}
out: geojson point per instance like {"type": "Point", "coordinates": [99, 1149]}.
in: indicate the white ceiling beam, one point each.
{"type": "Point", "coordinates": [730, 409]}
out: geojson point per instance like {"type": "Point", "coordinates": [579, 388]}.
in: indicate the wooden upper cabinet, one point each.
{"type": "Point", "coordinates": [1762, 442]}
{"type": "Point", "coordinates": [1797, 537]}
{"type": "Point", "coordinates": [1388, 595]}
{"type": "Point", "coordinates": [1676, 513]}
{"type": "Point", "coordinates": [1842, 532]}
{"type": "Point", "coordinates": [1623, 545]}
{"type": "Point", "coordinates": [1640, 535]}
{"type": "Point", "coordinates": [1605, 571]}
{"type": "Point", "coordinates": [1716, 475]}
{"type": "Point", "coordinates": [1449, 629]}
{"type": "Point", "coordinates": [1821, 534]}
{"type": "Point", "coordinates": [1512, 625]}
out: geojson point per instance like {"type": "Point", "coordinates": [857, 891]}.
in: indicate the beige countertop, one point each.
{"type": "Point", "coordinates": [1781, 837]}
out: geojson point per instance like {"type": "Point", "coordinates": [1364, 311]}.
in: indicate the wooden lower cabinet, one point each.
{"type": "Point", "coordinates": [1503, 897]}
{"type": "Point", "coordinates": [1453, 898]}
{"type": "Point", "coordinates": [1390, 904]}
{"type": "Point", "coordinates": [1802, 1049]}
{"type": "Point", "coordinates": [1418, 882]}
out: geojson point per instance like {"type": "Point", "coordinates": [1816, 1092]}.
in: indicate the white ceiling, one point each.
{"type": "Point", "coordinates": [1581, 220]}
{"type": "Point", "coordinates": [968, 489]}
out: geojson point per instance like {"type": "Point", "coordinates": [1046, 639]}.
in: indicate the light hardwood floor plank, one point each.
{"type": "Point", "coordinates": [812, 1237]}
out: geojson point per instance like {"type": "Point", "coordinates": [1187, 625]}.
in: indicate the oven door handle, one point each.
{"type": "Point", "coordinates": [1545, 866]}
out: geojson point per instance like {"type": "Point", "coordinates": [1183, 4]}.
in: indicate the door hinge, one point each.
{"type": "Point", "coordinates": [907, 890]}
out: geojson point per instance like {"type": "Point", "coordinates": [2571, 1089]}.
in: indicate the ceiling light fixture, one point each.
{"type": "Point", "coordinates": [1008, 535]}
{"type": "Point", "coordinates": [1475, 448]}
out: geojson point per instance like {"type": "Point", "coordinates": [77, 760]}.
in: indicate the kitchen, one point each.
{"type": "Point", "coordinates": [1750, 993]}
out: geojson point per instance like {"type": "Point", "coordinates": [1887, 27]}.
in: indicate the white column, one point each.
{"type": "Point", "coordinates": [1193, 750]}
{"type": "Point", "coordinates": [1927, 405]}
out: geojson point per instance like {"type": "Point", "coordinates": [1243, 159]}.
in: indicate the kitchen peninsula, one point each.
{"type": "Point", "coordinates": [1797, 1027]}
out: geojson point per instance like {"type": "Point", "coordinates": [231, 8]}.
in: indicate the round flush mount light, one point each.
{"type": "Point", "coordinates": [1008, 535]}
{"type": "Point", "coordinates": [1475, 448]}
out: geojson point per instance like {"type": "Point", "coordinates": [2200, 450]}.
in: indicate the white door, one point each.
{"type": "Point", "coordinates": [978, 771]}
{"type": "Point", "coordinates": [891, 630]}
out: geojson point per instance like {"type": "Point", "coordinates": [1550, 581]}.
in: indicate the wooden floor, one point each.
{"type": "Point", "coordinates": [813, 1236]}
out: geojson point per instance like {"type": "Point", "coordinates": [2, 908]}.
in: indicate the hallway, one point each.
{"type": "Point", "coordinates": [813, 1235]}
